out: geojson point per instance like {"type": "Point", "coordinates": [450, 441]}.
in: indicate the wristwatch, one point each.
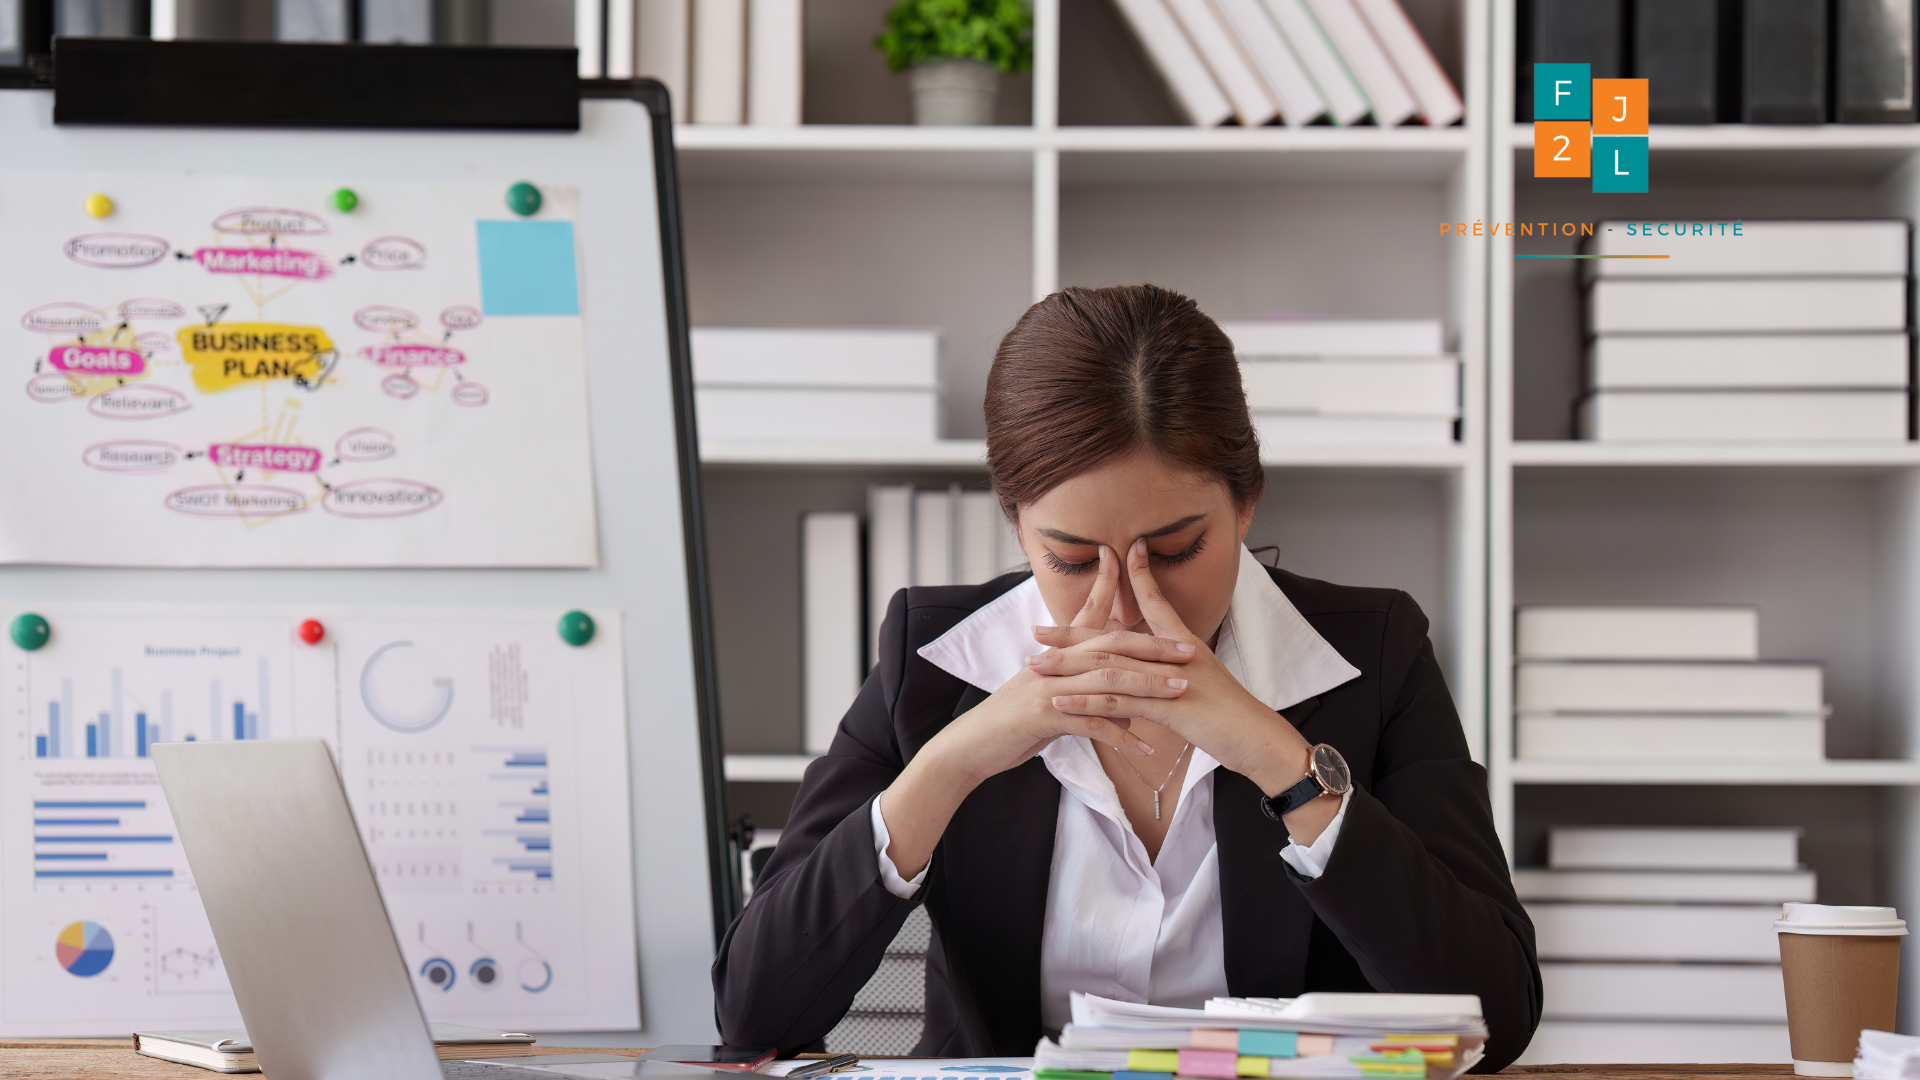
{"type": "Point", "coordinates": [1326, 775]}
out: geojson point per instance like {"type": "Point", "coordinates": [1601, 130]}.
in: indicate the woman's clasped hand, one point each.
{"type": "Point", "coordinates": [1097, 671]}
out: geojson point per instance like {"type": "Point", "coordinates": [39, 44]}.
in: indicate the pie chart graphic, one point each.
{"type": "Point", "coordinates": [84, 948]}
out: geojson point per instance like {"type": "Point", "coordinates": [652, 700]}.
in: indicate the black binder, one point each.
{"type": "Point", "coordinates": [1676, 46]}
{"type": "Point", "coordinates": [1589, 32]}
{"type": "Point", "coordinates": [1873, 62]}
{"type": "Point", "coordinates": [1785, 61]}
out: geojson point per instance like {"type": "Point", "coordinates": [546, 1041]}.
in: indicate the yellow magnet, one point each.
{"type": "Point", "coordinates": [99, 205]}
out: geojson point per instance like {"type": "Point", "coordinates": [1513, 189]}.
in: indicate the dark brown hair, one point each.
{"type": "Point", "coordinates": [1088, 375]}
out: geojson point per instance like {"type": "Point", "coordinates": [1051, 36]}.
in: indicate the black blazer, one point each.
{"type": "Point", "coordinates": [1416, 896]}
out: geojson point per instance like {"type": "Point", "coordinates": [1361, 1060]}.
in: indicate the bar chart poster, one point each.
{"type": "Point", "coordinates": [470, 745]}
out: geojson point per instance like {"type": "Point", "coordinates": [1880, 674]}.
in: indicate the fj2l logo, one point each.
{"type": "Point", "coordinates": [1583, 126]}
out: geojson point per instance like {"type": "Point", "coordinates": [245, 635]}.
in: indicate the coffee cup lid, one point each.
{"type": "Point", "coordinates": [1835, 919]}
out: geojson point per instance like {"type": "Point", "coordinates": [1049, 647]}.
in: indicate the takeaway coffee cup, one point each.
{"type": "Point", "coordinates": [1842, 971]}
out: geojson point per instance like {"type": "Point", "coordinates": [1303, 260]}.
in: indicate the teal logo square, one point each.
{"type": "Point", "coordinates": [1563, 91]}
{"type": "Point", "coordinates": [1619, 163]}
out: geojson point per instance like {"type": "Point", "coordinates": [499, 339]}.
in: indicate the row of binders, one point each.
{"type": "Point", "coordinates": [1294, 62]}
{"type": "Point", "coordinates": [1425, 1036]}
{"type": "Point", "coordinates": [810, 383]}
{"type": "Point", "coordinates": [1307, 380]}
{"type": "Point", "coordinates": [1355, 381]}
{"type": "Point", "coordinates": [1663, 923]}
{"type": "Point", "coordinates": [945, 536]}
{"type": "Point", "coordinates": [722, 61]}
{"type": "Point", "coordinates": [1734, 61]}
{"type": "Point", "coordinates": [1762, 331]}
{"type": "Point", "coordinates": [1659, 683]}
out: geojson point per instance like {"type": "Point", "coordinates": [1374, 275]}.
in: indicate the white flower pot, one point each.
{"type": "Point", "coordinates": [953, 92]}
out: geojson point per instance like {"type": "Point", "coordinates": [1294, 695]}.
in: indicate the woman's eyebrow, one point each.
{"type": "Point", "coordinates": [1068, 538]}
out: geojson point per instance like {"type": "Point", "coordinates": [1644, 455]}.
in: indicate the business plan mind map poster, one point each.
{"type": "Point", "coordinates": [227, 371]}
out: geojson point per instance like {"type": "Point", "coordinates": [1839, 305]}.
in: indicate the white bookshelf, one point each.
{"type": "Point", "coordinates": [1825, 539]}
{"type": "Point", "coordinates": [875, 224]}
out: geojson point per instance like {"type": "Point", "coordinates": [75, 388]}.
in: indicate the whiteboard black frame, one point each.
{"type": "Point", "coordinates": [722, 867]}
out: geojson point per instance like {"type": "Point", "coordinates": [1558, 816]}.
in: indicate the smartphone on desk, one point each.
{"type": "Point", "coordinates": [730, 1058]}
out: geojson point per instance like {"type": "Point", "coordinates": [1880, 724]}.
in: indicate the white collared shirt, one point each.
{"type": "Point", "coordinates": [1119, 924]}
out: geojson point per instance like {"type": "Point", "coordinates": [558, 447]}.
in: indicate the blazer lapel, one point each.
{"type": "Point", "coordinates": [1265, 922]}
{"type": "Point", "coordinates": [989, 885]}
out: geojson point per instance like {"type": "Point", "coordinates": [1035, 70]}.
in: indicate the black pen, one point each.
{"type": "Point", "coordinates": [825, 1065]}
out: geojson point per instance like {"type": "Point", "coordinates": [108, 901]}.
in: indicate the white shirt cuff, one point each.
{"type": "Point", "coordinates": [1308, 862]}
{"type": "Point", "coordinates": [890, 875]}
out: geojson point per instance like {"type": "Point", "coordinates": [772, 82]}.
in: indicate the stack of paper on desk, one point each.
{"type": "Point", "coordinates": [1429, 1036]}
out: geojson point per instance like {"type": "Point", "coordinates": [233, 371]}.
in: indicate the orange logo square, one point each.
{"type": "Point", "coordinates": [1562, 148]}
{"type": "Point", "coordinates": [1620, 106]}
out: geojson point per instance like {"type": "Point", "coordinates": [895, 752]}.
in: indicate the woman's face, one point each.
{"type": "Point", "coordinates": [1192, 528]}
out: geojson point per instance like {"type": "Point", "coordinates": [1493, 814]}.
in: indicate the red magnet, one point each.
{"type": "Point", "coordinates": [311, 631]}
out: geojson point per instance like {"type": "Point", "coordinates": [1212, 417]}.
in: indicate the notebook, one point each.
{"type": "Point", "coordinates": [230, 1051]}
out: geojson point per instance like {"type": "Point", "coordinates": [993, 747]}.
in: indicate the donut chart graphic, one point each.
{"type": "Point", "coordinates": [535, 975]}
{"type": "Point", "coordinates": [84, 948]}
{"type": "Point", "coordinates": [438, 972]}
{"type": "Point", "coordinates": [485, 973]}
{"type": "Point", "coordinates": [402, 691]}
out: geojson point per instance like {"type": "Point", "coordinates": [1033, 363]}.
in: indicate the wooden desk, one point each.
{"type": "Point", "coordinates": [113, 1059]}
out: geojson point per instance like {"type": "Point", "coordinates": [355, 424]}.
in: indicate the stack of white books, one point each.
{"type": "Point", "coordinates": [1294, 61]}
{"type": "Point", "coordinates": [1788, 331]}
{"type": "Point", "coordinates": [1356, 381]}
{"type": "Point", "coordinates": [945, 536]}
{"type": "Point", "coordinates": [1659, 684]}
{"type": "Point", "coordinates": [1663, 924]}
{"type": "Point", "coordinates": [803, 383]}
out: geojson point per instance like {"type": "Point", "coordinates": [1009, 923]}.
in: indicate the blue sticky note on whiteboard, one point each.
{"type": "Point", "coordinates": [526, 268]}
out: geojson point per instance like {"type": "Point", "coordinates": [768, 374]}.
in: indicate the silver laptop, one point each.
{"type": "Point", "coordinates": [322, 985]}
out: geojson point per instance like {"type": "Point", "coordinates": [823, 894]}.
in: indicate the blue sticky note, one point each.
{"type": "Point", "coordinates": [1563, 91]}
{"type": "Point", "coordinates": [526, 268]}
{"type": "Point", "coordinates": [1619, 163]}
{"type": "Point", "coordinates": [1282, 1044]}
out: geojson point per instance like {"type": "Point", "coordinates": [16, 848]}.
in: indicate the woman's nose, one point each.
{"type": "Point", "coordinates": [1126, 610]}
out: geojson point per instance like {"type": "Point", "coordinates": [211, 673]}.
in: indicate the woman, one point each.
{"type": "Point", "coordinates": [1127, 772]}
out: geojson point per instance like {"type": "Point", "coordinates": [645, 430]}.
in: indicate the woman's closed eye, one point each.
{"type": "Point", "coordinates": [1063, 566]}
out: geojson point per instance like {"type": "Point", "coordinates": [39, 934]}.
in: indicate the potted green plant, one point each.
{"type": "Point", "coordinates": [955, 51]}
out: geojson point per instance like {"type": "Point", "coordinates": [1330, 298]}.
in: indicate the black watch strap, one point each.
{"type": "Point", "coordinates": [1307, 790]}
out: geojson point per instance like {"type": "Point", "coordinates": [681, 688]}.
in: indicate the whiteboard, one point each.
{"type": "Point", "coordinates": [638, 441]}
{"type": "Point", "coordinates": [482, 754]}
{"type": "Point", "coordinates": [231, 371]}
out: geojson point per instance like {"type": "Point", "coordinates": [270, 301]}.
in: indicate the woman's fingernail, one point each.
{"type": "Point", "coordinates": [1034, 660]}
{"type": "Point", "coordinates": [1062, 702]}
{"type": "Point", "coordinates": [1145, 746]}
{"type": "Point", "coordinates": [1185, 648]}
{"type": "Point", "coordinates": [1177, 684]}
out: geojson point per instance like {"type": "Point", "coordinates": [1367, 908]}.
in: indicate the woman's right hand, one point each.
{"type": "Point", "coordinates": [1018, 721]}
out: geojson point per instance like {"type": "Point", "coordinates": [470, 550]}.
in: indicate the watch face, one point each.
{"type": "Point", "coordinates": [1330, 769]}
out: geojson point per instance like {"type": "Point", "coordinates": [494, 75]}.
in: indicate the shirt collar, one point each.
{"type": "Point", "coordinates": [1264, 641]}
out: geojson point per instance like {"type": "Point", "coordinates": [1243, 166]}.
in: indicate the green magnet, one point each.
{"type": "Point", "coordinates": [30, 631]}
{"type": "Point", "coordinates": [345, 200]}
{"type": "Point", "coordinates": [524, 199]}
{"type": "Point", "coordinates": [576, 628]}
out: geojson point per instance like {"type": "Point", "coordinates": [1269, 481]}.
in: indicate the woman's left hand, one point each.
{"type": "Point", "coordinates": [1216, 713]}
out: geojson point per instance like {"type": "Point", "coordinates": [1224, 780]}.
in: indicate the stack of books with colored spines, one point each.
{"type": "Point", "coordinates": [1430, 1036]}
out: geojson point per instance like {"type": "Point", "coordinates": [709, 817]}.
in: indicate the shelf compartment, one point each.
{"type": "Point", "coordinates": [766, 768]}
{"type": "Point", "coordinates": [1867, 455]}
{"type": "Point", "coordinates": [1855, 772]}
{"type": "Point", "coordinates": [971, 455]}
{"type": "Point", "coordinates": [1750, 153]}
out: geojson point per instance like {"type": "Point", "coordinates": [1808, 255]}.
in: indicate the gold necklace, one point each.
{"type": "Point", "coordinates": [1143, 780]}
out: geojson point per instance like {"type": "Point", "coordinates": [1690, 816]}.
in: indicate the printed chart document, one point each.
{"type": "Point", "coordinates": [236, 372]}
{"type": "Point", "coordinates": [484, 758]}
